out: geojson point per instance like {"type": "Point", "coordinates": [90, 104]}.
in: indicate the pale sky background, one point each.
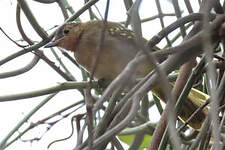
{"type": "Point", "coordinates": [42, 76]}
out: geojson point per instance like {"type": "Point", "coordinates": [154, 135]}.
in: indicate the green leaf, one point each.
{"type": "Point", "coordinates": [129, 138]}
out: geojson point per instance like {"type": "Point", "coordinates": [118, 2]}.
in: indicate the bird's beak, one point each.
{"type": "Point", "coordinates": [51, 44]}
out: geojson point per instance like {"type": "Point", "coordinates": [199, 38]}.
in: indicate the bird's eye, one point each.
{"type": "Point", "coordinates": [66, 31]}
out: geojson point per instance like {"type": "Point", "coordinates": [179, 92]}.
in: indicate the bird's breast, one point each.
{"type": "Point", "coordinates": [110, 60]}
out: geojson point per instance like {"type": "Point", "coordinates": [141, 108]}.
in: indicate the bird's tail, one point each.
{"type": "Point", "coordinates": [194, 100]}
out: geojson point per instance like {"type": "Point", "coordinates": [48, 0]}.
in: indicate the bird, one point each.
{"type": "Point", "coordinates": [117, 50]}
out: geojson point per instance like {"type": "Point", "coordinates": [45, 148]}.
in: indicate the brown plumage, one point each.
{"type": "Point", "coordinates": [117, 51]}
{"type": "Point", "coordinates": [83, 40]}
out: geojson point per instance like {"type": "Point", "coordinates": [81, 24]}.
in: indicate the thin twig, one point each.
{"type": "Point", "coordinates": [22, 46]}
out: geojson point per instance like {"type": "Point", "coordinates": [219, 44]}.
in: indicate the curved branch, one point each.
{"type": "Point", "coordinates": [32, 19]}
{"type": "Point", "coordinates": [19, 71]}
{"type": "Point", "coordinates": [46, 1]}
{"type": "Point", "coordinates": [164, 32]}
{"type": "Point", "coordinates": [19, 25]}
{"type": "Point", "coordinates": [63, 8]}
{"type": "Point", "coordinates": [53, 89]}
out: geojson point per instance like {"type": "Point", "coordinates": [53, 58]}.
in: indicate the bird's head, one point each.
{"type": "Point", "coordinates": [66, 36]}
